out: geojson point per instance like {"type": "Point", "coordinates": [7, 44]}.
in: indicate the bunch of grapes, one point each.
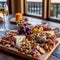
{"type": "Point", "coordinates": [25, 29]}
{"type": "Point", "coordinates": [37, 26]}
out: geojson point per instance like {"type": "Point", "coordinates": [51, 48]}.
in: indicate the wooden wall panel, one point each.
{"type": "Point", "coordinates": [44, 9]}
{"type": "Point", "coordinates": [17, 6]}
{"type": "Point", "coordinates": [48, 8]}
{"type": "Point", "coordinates": [9, 6]}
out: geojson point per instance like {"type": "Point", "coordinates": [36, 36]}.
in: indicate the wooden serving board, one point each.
{"type": "Point", "coordinates": [17, 53]}
{"type": "Point", "coordinates": [47, 55]}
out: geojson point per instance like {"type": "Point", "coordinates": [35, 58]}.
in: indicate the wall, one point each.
{"type": "Point", "coordinates": [17, 6]}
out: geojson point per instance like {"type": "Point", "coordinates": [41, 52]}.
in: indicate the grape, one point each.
{"type": "Point", "coordinates": [38, 26]}
{"type": "Point", "coordinates": [27, 29]}
{"type": "Point", "coordinates": [41, 42]}
{"type": "Point", "coordinates": [24, 29]}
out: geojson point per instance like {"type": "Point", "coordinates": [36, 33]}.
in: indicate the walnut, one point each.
{"type": "Point", "coordinates": [26, 51]}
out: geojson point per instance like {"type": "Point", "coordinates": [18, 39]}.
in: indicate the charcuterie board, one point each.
{"type": "Point", "coordinates": [16, 52]}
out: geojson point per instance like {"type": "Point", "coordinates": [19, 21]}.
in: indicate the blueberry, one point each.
{"type": "Point", "coordinates": [41, 42]}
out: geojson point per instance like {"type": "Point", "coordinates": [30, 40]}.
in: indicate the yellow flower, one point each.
{"type": "Point", "coordinates": [40, 29]}
{"type": "Point", "coordinates": [34, 30]}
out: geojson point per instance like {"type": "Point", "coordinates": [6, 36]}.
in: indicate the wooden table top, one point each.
{"type": "Point", "coordinates": [34, 21]}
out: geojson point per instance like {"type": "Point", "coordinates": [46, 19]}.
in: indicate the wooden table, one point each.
{"type": "Point", "coordinates": [8, 56]}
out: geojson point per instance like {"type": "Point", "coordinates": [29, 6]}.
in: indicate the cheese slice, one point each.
{"type": "Point", "coordinates": [20, 39]}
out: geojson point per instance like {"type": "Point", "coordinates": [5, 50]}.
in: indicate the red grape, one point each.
{"type": "Point", "coordinates": [24, 29]}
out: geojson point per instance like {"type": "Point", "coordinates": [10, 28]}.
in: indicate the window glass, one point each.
{"type": "Point", "coordinates": [34, 7]}
{"type": "Point", "coordinates": [55, 9]}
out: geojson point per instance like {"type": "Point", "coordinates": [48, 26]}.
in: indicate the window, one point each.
{"type": "Point", "coordinates": [34, 7]}
{"type": "Point", "coordinates": [45, 9]}
{"type": "Point", "coordinates": [55, 9]}
{"type": "Point", "coordinates": [2, 0]}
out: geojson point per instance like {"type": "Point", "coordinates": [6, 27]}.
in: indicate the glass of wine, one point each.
{"type": "Point", "coordinates": [4, 26]}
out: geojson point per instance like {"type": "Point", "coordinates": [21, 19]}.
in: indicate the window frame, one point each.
{"type": "Point", "coordinates": [49, 13]}
{"type": "Point", "coordinates": [43, 11]}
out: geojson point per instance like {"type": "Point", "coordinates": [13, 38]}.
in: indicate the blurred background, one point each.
{"type": "Point", "coordinates": [3, 8]}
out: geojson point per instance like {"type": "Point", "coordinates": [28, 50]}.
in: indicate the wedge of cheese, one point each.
{"type": "Point", "coordinates": [20, 39]}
